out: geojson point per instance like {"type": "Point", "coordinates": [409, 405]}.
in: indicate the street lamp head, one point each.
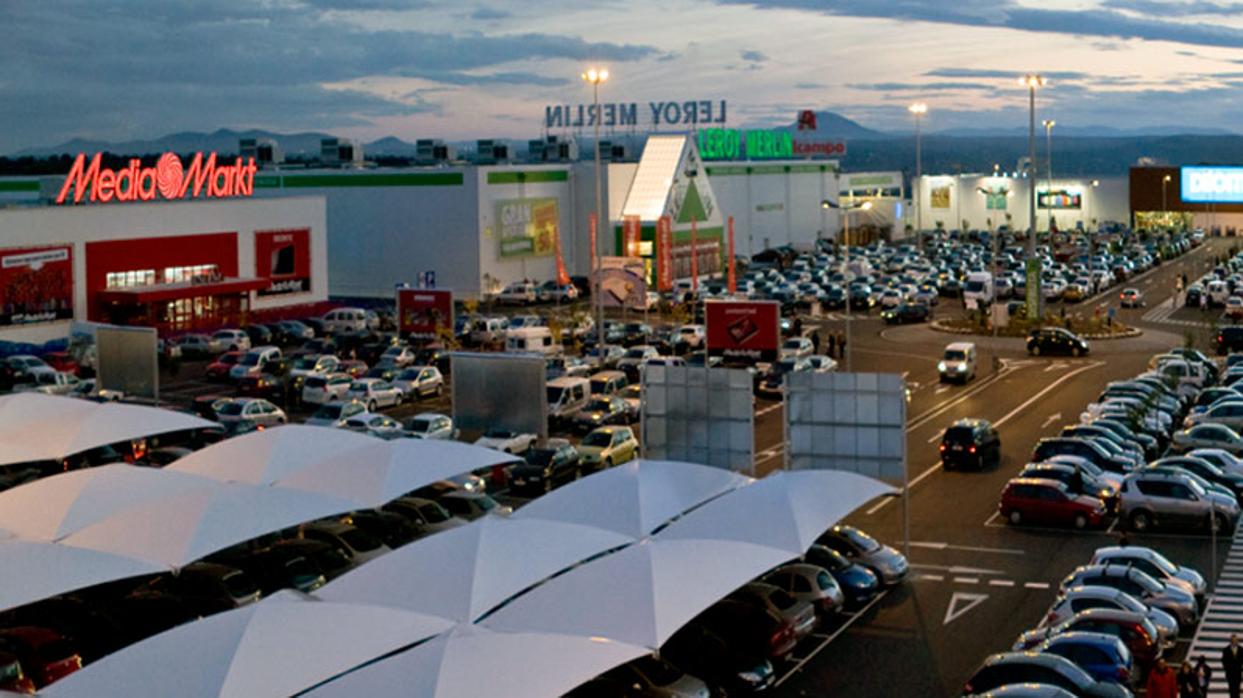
{"type": "Point", "coordinates": [866, 206]}
{"type": "Point", "coordinates": [595, 76]}
{"type": "Point", "coordinates": [1096, 182]}
{"type": "Point", "coordinates": [1166, 178]}
{"type": "Point", "coordinates": [918, 109]}
{"type": "Point", "coordinates": [1033, 81]}
{"type": "Point", "coordinates": [1048, 123]}
{"type": "Point", "coordinates": [826, 204]}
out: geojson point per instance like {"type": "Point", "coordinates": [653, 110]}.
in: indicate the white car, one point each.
{"type": "Point", "coordinates": [891, 298]}
{"type": "Point", "coordinates": [638, 355]}
{"type": "Point", "coordinates": [27, 363]}
{"type": "Point", "coordinates": [518, 322]}
{"type": "Point", "coordinates": [228, 340]}
{"type": "Point", "coordinates": [397, 356]}
{"type": "Point", "coordinates": [335, 414]}
{"type": "Point", "coordinates": [377, 425]}
{"type": "Point", "coordinates": [797, 348]}
{"type": "Point", "coordinates": [519, 293]}
{"type": "Point", "coordinates": [320, 390]}
{"type": "Point", "coordinates": [314, 365]}
{"type": "Point", "coordinates": [251, 409]}
{"type": "Point", "coordinates": [506, 440]}
{"type": "Point", "coordinates": [374, 392]}
{"type": "Point", "coordinates": [550, 292]}
{"type": "Point", "coordinates": [48, 381]}
{"type": "Point", "coordinates": [432, 426]}
{"type": "Point", "coordinates": [822, 364]}
{"type": "Point", "coordinates": [692, 335]}
{"type": "Point", "coordinates": [419, 381]}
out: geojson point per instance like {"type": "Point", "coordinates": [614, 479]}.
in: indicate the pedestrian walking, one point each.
{"type": "Point", "coordinates": [832, 345]}
{"type": "Point", "coordinates": [1204, 675]}
{"type": "Point", "coordinates": [1162, 681]}
{"type": "Point", "coordinates": [841, 344]}
{"type": "Point", "coordinates": [1232, 665]}
{"type": "Point", "coordinates": [815, 342]}
{"type": "Point", "coordinates": [1188, 685]}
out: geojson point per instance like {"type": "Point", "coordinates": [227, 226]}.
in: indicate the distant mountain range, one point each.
{"type": "Point", "coordinates": [1076, 150]}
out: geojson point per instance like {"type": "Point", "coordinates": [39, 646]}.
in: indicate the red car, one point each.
{"type": "Point", "coordinates": [61, 361]}
{"type": "Point", "coordinates": [218, 370]}
{"type": "Point", "coordinates": [1040, 501]}
{"type": "Point", "coordinates": [46, 654]}
{"type": "Point", "coordinates": [354, 367]}
{"type": "Point", "coordinates": [12, 678]}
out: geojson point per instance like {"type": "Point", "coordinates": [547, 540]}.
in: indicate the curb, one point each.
{"type": "Point", "coordinates": [937, 326]}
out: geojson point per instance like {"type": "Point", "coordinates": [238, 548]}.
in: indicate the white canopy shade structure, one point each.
{"type": "Point", "coordinates": [54, 507]}
{"type": "Point", "coordinates": [634, 499]}
{"type": "Point", "coordinates": [263, 457]}
{"type": "Point", "coordinates": [38, 427]}
{"type": "Point", "coordinates": [34, 570]}
{"type": "Point", "coordinates": [786, 510]}
{"type": "Point", "coordinates": [470, 661]}
{"type": "Point", "coordinates": [180, 529]}
{"type": "Point", "coordinates": [641, 595]}
{"type": "Point", "coordinates": [467, 571]}
{"type": "Point", "coordinates": [277, 647]}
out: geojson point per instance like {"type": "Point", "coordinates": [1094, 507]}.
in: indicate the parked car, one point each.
{"type": "Point", "coordinates": [420, 381]}
{"type": "Point", "coordinates": [357, 545]}
{"type": "Point", "coordinates": [506, 440]}
{"type": "Point", "coordinates": [518, 293]}
{"type": "Point", "coordinates": [608, 446]}
{"type": "Point", "coordinates": [601, 410]}
{"type": "Point", "coordinates": [1046, 501]}
{"type": "Point", "coordinates": [226, 340]}
{"type": "Point", "coordinates": [544, 468]}
{"type": "Point", "coordinates": [374, 393]}
{"type": "Point", "coordinates": [472, 505]}
{"type": "Point", "coordinates": [427, 515]}
{"type": "Point", "coordinates": [727, 668]}
{"type": "Point", "coordinates": [652, 676]}
{"type": "Point", "coordinates": [905, 313]}
{"type": "Point", "coordinates": [218, 370]}
{"type": "Point", "coordinates": [1055, 340]}
{"type": "Point", "coordinates": [321, 390]}
{"type": "Point", "coordinates": [889, 565]}
{"type": "Point", "coordinates": [378, 425]}
{"type": "Point", "coordinates": [208, 584]}
{"type": "Point", "coordinates": [431, 425]}
{"type": "Point", "coordinates": [859, 584]}
{"type": "Point", "coordinates": [335, 413]}
{"type": "Point", "coordinates": [810, 583]}
{"type": "Point", "coordinates": [750, 628]}
{"type": "Point", "coordinates": [1033, 667]}
{"type": "Point", "coordinates": [970, 443]}
{"type": "Point", "coordinates": [1134, 630]}
{"type": "Point", "coordinates": [1155, 564]}
{"type": "Point", "coordinates": [1173, 599]}
{"type": "Point", "coordinates": [393, 530]}
{"type": "Point", "coordinates": [48, 381]}
{"type": "Point", "coordinates": [1207, 436]}
{"type": "Point", "coordinates": [1152, 498]}
{"type": "Point", "coordinates": [12, 676]}
{"type": "Point", "coordinates": [255, 410]}
{"type": "Point", "coordinates": [326, 559]}
{"type": "Point", "coordinates": [273, 569]}
{"type": "Point", "coordinates": [1103, 656]}
{"type": "Point", "coordinates": [197, 346]}
{"type": "Point", "coordinates": [1084, 598]}
{"type": "Point", "coordinates": [45, 655]}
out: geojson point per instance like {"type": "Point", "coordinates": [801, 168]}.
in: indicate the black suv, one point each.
{"type": "Point", "coordinates": [1229, 339]}
{"type": "Point", "coordinates": [970, 443]}
{"type": "Point", "coordinates": [1055, 340]}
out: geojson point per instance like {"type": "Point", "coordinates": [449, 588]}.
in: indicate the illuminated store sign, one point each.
{"type": "Point", "coordinates": [760, 144]}
{"type": "Point", "coordinates": [656, 115]}
{"type": "Point", "coordinates": [168, 178]}
{"type": "Point", "coordinates": [1212, 185]}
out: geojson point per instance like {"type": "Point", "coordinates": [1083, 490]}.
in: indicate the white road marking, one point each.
{"type": "Point", "coordinates": [966, 580]}
{"type": "Point", "coordinates": [1058, 366]}
{"type": "Point", "coordinates": [1051, 419]}
{"type": "Point", "coordinates": [969, 548]}
{"type": "Point", "coordinates": [942, 389]}
{"type": "Point", "coordinates": [1001, 582]}
{"type": "Point", "coordinates": [960, 603]}
{"type": "Point", "coordinates": [1035, 585]}
{"type": "Point", "coordinates": [936, 437]}
{"type": "Point", "coordinates": [931, 577]}
{"type": "Point", "coordinates": [1050, 387]}
{"type": "Point", "coordinates": [858, 614]}
{"type": "Point", "coordinates": [957, 569]}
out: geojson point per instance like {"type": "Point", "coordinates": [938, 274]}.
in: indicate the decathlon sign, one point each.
{"type": "Point", "coordinates": [1215, 185]}
{"type": "Point", "coordinates": [169, 179]}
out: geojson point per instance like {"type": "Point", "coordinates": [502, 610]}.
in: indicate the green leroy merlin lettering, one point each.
{"type": "Point", "coordinates": [755, 144]}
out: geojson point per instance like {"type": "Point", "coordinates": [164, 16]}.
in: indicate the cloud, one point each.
{"type": "Point", "coordinates": [753, 56]}
{"type": "Point", "coordinates": [1168, 8]}
{"type": "Point", "coordinates": [810, 86]}
{"type": "Point", "coordinates": [921, 87]}
{"type": "Point", "coordinates": [1009, 14]}
{"type": "Point", "coordinates": [484, 14]}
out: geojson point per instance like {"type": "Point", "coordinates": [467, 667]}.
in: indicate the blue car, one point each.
{"type": "Point", "coordinates": [1104, 657]}
{"type": "Point", "coordinates": [859, 584]}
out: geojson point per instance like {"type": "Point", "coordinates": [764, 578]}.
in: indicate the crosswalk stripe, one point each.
{"type": "Point", "coordinates": [1223, 616]}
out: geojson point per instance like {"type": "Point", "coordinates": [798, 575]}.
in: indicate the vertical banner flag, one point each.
{"type": "Point", "coordinates": [694, 254]}
{"type": "Point", "coordinates": [591, 234]}
{"type": "Point", "coordinates": [664, 253]}
{"type": "Point", "coordinates": [563, 277]}
{"type": "Point", "coordinates": [632, 228]}
{"type": "Point", "coordinates": [732, 279]}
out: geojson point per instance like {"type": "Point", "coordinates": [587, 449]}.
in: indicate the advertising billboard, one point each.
{"type": "Point", "coordinates": [1060, 198]}
{"type": "Point", "coordinates": [1211, 185]}
{"type": "Point", "coordinates": [284, 258]}
{"type": "Point", "coordinates": [622, 282]}
{"type": "Point", "coordinates": [36, 284]}
{"type": "Point", "coordinates": [744, 329]}
{"type": "Point", "coordinates": [422, 312]}
{"type": "Point", "coordinates": [527, 227]}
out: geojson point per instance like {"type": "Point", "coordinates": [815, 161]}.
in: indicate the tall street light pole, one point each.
{"type": "Point", "coordinates": [1048, 153]}
{"type": "Point", "coordinates": [845, 210]}
{"type": "Point", "coordinates": [595, 76]}
{"type": "Point", "coordinates": [1165, 211]}
{"type": "Point", "coordinates": [918, 109]}
{"type": "Point", "coordinates": [1034, 293]}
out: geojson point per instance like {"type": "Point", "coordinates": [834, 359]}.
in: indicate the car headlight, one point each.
{"type": "Point", "coordinates": [750, 677]}
{"type": "Point", "coordinates": [941, 366]}
{"type": "Point", "coordinates": [960, 368]}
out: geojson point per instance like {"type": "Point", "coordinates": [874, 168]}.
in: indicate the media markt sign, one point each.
{"type": "Point", "coordinates": [169, 179]}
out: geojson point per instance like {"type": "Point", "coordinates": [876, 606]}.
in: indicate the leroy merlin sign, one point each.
{"type": "Point", "coordinates": [734, 144]}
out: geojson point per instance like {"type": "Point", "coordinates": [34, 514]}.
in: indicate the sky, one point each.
{"type": "Point", "coordinates": [128, 69]}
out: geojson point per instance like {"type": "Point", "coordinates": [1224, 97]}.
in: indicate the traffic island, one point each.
{"type": "Point", "coordinates": [1088, 328]}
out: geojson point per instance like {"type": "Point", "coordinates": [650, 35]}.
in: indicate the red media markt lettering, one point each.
{"type": "Point", "coordinates": [204, 177]}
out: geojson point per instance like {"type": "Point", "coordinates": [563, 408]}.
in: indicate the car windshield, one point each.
{"type": "Point", "coordinates": [10, 670]}
{"type": "Point", "coordinates": [498, 434]}
{"type": "Point", "coordinates": [229, 358]}
{"type": "Point", "coordinates": [230, 409]}
{"type": "Point", "coordinates": [784, 366]}
{"type": "Point", "coordinates": [955, 355]}
{"type": "Point", "coordinates": [420, 426]}
{"type": "Point", "coordinates": [238, 584]}
{"type": "Point", "coordinates": [306, 362]}
{"type": "Point", "coordinates": [859, 539]}
{"type": "Point", "coordinates": [359, 540]}
{"type": "Point", "coordinates": [782, 600]}
{"type": "Point", "coordinates": [486, 503]}
{"type": "Point", "coordinates": [598, 438]}
{"type": "Point", "coordinates": [599, 405]}
{"type": "Point", "coordinates": [250, 360]}
{"type": "Point", "coordinates": [636, 353]}
{"type": "Point", "coordinates": [656, 671]}
{"type": "Point", "coordinates": [328, 412]}
{"type": "Point", "coordinates": [316, 382]}
{"type": "Point", "coordinates": [540, 456]}
{"type": "Point", "coordinates": [358, 387]}
{"type": "Point", "coordinates": [554, 394]}
{"type": "Point", "coordinates": [792, 344]}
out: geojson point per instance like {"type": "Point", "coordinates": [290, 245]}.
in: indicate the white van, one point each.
{"type": "Point", "coordinates": [978, 289]}
{"type": "Point", "coordinates": [345, 320]}
{"type": "Point", "coordinates": [1218, 293]}
{"type": "Point", "coordinates": [536, 340]}
{"type": "Point", "coordinates": [487, 330]}
{"type": "Point", "coordinates": [566, 396]}
{"type": "Point", "coordinates": [958, 363]}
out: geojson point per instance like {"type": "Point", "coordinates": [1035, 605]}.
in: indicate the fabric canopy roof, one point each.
{"type": "Point", "coordinates": [277, 647]}
{"type": "Point", "coordinates": [633, 499]}
{"type": "Point", "coordinates": [263, 457]}
{"type": "Point", "coordinates": [38, 427]}
{"type": "Point", "coordinates": [470, 661]}
{"type": "Point", "coordinates": [34, 570]}
{"type": "Point", "coordinates": [467, 571]}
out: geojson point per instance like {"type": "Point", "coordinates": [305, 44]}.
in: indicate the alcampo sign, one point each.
{"type": "Point", "coordinates": [169, 179]}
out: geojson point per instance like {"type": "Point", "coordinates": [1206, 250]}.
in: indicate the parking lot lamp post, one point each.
{"type": "Point", "coordinates": [918, 110]}
{"type": "Point", "coordinates": [1091, 223]}
{"type": "Point", "coordinates": [845, 212]}
{"type": "Point", "coordinates": [1165, 211]}
{"type": "Point", "coordinates": [1048, 169]}
{"type": "Point", "coordinates": [1032, 82]}
{"type": "Point", "coordinates": [595, 76]}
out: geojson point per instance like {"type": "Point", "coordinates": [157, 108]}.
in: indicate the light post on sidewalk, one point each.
{"type": "Point", "coordinates": [864, 206]}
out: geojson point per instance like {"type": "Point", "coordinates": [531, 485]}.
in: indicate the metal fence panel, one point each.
{"type": "Point", "coordinates": [128, 361]}
{"type": "Point", "coordinates": [847, 421]}
{"type": "Point", "coordinates": [501, 391]}
{"type": "Point", "coordinates": [698, 415]}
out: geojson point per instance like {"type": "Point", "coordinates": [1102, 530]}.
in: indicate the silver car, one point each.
{"type": "Point", "coordinates": [335, 414]}
{"type": "Point", "coordinates": [1161, 498]}
{"type": "Point", "coordinates": [1174, 600]}
{"type": "Point", "coordinates": [1154, 563]}
{"type": "Point", "coordinates": [809, 583]}
{"type": "Point", "coordinates": [888, 564]}
{"type": "Point", "coordinates": [1076, 599]}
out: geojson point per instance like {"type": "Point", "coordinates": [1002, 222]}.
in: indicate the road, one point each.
{"type": "Point", "coordinates": [978, 582]}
